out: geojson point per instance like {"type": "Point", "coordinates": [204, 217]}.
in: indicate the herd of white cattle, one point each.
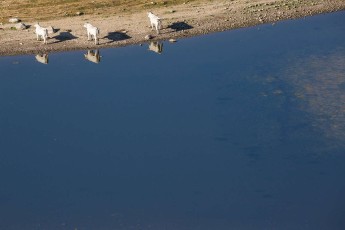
{"type": "Point", "coordinates": [93, 32]}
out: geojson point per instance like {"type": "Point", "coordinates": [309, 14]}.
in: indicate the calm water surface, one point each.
{"type": "Point", "coordinates": [243, 130]}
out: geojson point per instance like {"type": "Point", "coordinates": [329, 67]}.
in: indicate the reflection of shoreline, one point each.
{"type": "Point", "coordinates": [42, 58]}
{"type": "Point", "coordinates": [319, 84]}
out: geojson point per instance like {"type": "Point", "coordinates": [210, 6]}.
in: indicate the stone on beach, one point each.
{"type": "Point", "coordinates": [148, 37]}
{"type": "Point", "coordinates": [21, 26]}
{"type": "Point", "coordinates": [50, 29]}
{"type": "Point", "coordinates": [14, 20]}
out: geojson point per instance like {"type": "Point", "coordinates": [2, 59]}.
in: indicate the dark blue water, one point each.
{"type": "Point", "coordinates": [243, 130]}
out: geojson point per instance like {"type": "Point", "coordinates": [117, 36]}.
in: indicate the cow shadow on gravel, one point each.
{"type": "Point", "coordinates": [178, 26]}
{"type": "Point", "coordinates": [116, 36]}
{"type": "Point", "coordinates": [64, 36]}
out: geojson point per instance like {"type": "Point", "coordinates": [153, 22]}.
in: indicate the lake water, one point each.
{"type": "Point", "coordinates": [241, 130]}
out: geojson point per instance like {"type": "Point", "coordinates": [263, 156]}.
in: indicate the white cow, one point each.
{"type": "Point", "coordinates": [42, 58]}
{"type": "Point", "coordinates": [93, 56]}
{"type": "Point", "coordinates": [92, 31]}
{"type": "Point", "coordinates": [155, 21]}
{"type": "Point", "coordinates": [41, 32]}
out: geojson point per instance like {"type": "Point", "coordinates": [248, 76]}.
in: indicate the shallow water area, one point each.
{"type": "Point", "coordinates": [243, 129]}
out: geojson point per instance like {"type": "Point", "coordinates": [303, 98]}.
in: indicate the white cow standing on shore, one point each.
{"type": "Point", "coordinates": [41, 32]}
{"type": "Point", "coordinates": [155, 21]}
{"type": "Point", "coordinates": [92, 31]}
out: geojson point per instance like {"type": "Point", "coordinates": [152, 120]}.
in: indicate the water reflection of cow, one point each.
{"type": "Point", "coordinates": [42, 58]}
{"type": "Point", "coordinates": [93, 56]}
{"type": "Point", "coordinates": [156, 47]}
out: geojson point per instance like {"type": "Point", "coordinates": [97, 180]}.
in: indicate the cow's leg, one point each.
{"type": "Point", "coordinates": [96, 40]}
{"type": "Point", "coordinates": [157, 29]}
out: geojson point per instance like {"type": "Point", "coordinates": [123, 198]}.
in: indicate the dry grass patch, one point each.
{"type": "Point", "coordinates": [40, 10]}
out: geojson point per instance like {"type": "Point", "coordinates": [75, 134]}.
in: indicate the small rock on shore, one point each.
{"type": "Point", "coordinates": [14, 20]}
{"type": "Point", "coordinates": [21, 26]}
